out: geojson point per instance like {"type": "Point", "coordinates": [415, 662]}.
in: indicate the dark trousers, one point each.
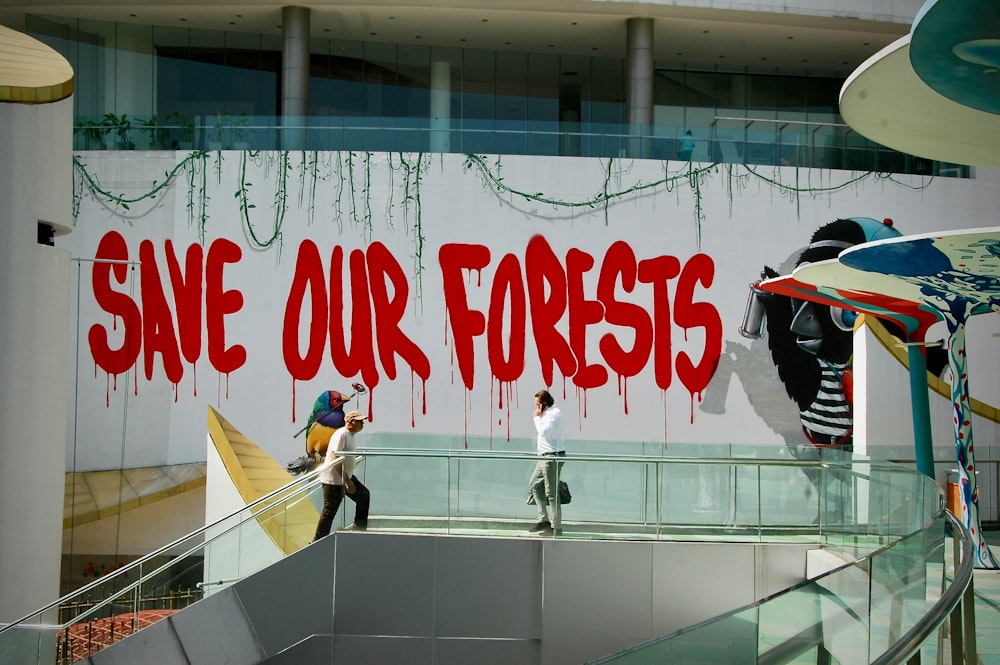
{"type": "Point", "coordinates": [333, 495]}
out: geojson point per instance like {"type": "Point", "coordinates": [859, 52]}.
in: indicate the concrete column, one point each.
{"type": "Point", "coordinates": [294, 76]}
{"type": "Point", "coordinates": [639, 81]}
{"type": "Point", "coordinates": [35, 181]}
{"type": "Point", "coordinates": [440, 107]}
{"type": "Point", "coordinates": [569, 114]}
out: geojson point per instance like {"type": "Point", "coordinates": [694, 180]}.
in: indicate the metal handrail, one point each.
{"type": "Point", "coordinates": [946, 605]}
{"type": "Point", "coordinates": [302, 481]}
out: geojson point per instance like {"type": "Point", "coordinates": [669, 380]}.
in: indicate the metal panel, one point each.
{"type": "Point", "coordinates": [488, 588]}
{"type": "Point", "coordinates": [384, 585]}
{"type": "Point", "coordinates": [697, 581]}
{"type": "Point", "coordinates": [381, 650]}
{"type": "Point", "coordinates": [292, 599]}
{"type": "Point", "coordinates": [596, 598]}
{"type": "Point", "coordinates": [486, 652]}
{"type": "Point", "coordinates": [219, 633]}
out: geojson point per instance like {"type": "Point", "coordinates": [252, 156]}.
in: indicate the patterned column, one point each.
{"type": "Point", "coordinates": [962, 421]}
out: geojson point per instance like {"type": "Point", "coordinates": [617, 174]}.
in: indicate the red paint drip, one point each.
{"type": "Point", "coordinates": [663, 400]}
{"type": "Point", "coordinates": [579, 411]}
{"type": "Point", "coordinates": [293, 399]}
{"type": "Point", "coordinates": [413, 418]}
{"type": "Point", "coordinates": [625, 394]}
{"type": "Point", "coordinates": [194, 379]}
{"type": "Point", "coordinates": [509, 390]}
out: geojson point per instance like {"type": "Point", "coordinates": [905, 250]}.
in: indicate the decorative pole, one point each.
{"type": "Point", "coordinates": [962, 422]}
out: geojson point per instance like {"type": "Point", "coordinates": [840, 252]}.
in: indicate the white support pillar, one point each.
{"type": "Point", "coordinates": [440, 107]}
{"type": "Point", "coordinates": [35, 186]}
{"type": "Point", "coordinates": [639, 81]}
{"type": "Point", "coordinates": [294, 76]}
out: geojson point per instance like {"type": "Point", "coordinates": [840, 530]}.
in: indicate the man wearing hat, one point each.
{"type": "Point", "coordinates": [337, 477]}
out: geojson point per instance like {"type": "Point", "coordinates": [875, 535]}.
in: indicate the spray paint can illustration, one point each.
{"type": "Point", "coordinates": [753, 317]}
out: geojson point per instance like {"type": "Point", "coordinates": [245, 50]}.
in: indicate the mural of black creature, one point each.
{"type": "Point", "coordinates": [812, 344]}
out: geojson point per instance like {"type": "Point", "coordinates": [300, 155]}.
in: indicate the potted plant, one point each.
{"type": "Point", "coordinates": [241, 130]}
{"type": "Point", "coordinates": [157, 133]}
{"type": "Point", "coordinates": [185, 131]}
{"type": "Point", "coordinates": [93, 132]}
{"type": "Point", "coordinates": [122, 128]}
{"type": "Point", "coordinates": [217, 134]}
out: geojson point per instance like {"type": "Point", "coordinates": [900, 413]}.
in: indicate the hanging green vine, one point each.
{"type": "Point", "coordinates": [341, 166]}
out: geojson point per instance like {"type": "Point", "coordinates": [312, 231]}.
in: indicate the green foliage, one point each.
{"type": "Point", "coordinates": [353, 187]}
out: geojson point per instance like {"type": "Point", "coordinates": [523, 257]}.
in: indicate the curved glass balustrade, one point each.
{"type": "Point", "coordinates": [887, 517]}
{"type": "Point", "coordinates": [882, 609]}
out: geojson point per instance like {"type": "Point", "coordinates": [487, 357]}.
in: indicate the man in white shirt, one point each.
{"type": "Point", "coordinates": [544, 483]}
{"type": "Point", "coordinates": [337, 477]}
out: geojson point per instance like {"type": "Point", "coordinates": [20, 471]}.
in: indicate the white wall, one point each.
{"type": "Point", "coordinates": [746, 221]}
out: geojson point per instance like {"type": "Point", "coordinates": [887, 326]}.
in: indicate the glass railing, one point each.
{"type": "Point", "coordinates": [887, 607]}
{"type": "Point", "coordinates": [852, 506]}
{"type": "Point", "coordinates": [147, 590]}
{"type": "Point", "coordinates": [722, 139]}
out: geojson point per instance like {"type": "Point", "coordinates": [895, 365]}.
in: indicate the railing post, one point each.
{"type": "Point", "coordinates": [956, 614]}
{"type": "Point", "coordinates": [969, 600]}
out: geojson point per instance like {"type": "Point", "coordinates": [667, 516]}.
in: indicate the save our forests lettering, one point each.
{"type": "Point", "coordinates": [540, 288]}
{"type": "Point", "coordinates": [545, 274]}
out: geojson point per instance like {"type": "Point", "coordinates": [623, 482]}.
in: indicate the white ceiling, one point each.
{"type": "Point", "coordinates": [682, 34]}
